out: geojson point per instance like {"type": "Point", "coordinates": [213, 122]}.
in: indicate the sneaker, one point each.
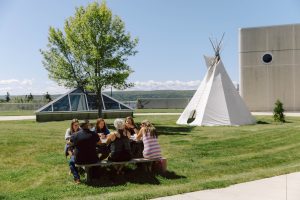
{"type": "Point", "coordinates": [77, 181]}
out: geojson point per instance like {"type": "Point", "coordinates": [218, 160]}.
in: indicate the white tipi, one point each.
{"type": "Point", "coordinates": [216, 101]}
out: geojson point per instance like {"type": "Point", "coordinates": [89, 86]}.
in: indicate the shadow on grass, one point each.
{"type": "Point", "coordinates": [173, 130]}
{"type": "Point", "coordinates": [262, 122]}
{"type": "Point", "coordinates": [107, 177]}
{"type": "Point", "coordinates": [167, 130]}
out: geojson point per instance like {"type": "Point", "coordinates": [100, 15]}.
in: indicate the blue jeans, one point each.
{"type": "Point", "coordinates": [73, 168]}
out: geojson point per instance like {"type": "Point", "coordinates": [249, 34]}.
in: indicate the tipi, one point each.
{"type": "Point", "coordinates": [216, 101]}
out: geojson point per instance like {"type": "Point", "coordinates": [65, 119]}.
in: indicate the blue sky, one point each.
{"type": "Point", "coordinates": [173, 36]}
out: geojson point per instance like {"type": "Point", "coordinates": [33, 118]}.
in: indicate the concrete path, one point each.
{"type": "Point", "coordinates": [148, 114]}
{"type": "Point", "coordinates": [285, 187]}
{"type": "Point", "coordinates": [289, 114]}
{"type": "Point", "coordinates": [10, 118]}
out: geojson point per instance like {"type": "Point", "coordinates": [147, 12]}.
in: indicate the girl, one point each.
{"type": "Point", "coordinates": [149, 137]}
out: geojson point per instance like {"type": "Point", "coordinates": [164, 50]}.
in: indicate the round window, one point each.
{"type": "Point", "coordinates": [267, 58]}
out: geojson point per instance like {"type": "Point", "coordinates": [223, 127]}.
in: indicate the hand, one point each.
{"type": "Point", "coordinates": [103, 136]}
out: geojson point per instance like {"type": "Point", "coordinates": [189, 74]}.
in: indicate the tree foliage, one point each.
{"type": "Point", "coordinates": [7, 97]}
{"type": "Point", "coordinates": [278, 112]}
{"type": "Point", "coordinates": [48, 97]}
{"type": "Point", "coordinates": [92, 51]}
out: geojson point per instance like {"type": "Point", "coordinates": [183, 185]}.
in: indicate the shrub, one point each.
{"type": "Point", "coordinates": [278, 112]}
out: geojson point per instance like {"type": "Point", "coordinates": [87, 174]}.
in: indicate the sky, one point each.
{"type": "Point", "coordinates": [173, 37]}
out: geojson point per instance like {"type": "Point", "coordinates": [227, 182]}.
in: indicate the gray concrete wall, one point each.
{"type": "Point", "coordinates": [261, 84]}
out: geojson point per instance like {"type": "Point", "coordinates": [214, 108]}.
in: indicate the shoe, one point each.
{"type": "Point", "coordinates": [77, 181]}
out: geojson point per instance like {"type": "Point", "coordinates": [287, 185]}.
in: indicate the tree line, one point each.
{"type": "Point", "coordinates": [26, 99]}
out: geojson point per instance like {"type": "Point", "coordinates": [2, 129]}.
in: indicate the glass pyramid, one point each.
{"type": "Point", "coordinates": [76, 100]}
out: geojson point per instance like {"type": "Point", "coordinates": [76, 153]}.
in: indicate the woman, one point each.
{"type": "Point", "coordinates": [69, 149]}
{"type": "Point", "coordinates": [130, 126]}
{"type": "Point", "coordinates": [119, 144]}
{"type": "Point", "coordinates": [74, 128]}
{"type": "Point", "coordinates": [102, 130]}
{"type": "Point", "coordinates": [149, 136]}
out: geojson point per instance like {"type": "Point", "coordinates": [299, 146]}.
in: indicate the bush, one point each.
{"type": "Point", "coordinates": [278, 112]}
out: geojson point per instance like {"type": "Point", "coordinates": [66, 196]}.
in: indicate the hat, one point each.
{"type": "Point", "coordinates": [119, 124]}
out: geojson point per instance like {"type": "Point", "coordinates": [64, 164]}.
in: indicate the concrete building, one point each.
{"type": "Point", "coordinates": [270, 66]}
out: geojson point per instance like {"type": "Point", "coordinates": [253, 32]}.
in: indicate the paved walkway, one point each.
{"type": "Point", "coordinates": [10, 118]}
{"type": "Point", "coordinates": [147, 114]}
{"type": "Point", "coordinates": [285, 187]}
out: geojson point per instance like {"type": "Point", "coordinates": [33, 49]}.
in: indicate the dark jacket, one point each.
{"type": "Point", "coordinates": [85, 142]}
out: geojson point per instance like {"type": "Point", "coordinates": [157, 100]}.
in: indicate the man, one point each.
{"type": "Point", "coordinates": [85, 142]}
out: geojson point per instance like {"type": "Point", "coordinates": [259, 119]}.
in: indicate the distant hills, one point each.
{"type": "Point", "coordinates": [131, 95]}
{"type": "Point", "coordinates": [134, 95]}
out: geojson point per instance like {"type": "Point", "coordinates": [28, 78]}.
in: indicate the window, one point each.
{"type": "Point", "coordinates": [78, 102]}
{"type": "Point", "coordinates": [92, 102]}
{"type": "Point", "coordinates": [62, 104]}
{"type": "Point", "coordinates": [267, 58]}
{"type": "Point", "coordinates": [110, 104]}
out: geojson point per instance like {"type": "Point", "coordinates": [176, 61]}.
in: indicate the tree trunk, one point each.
{"type": "Point", "coordinates": [99, 102]}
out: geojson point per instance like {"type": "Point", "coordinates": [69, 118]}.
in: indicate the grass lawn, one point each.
{"type": "Point", "coordinates": [17, 113]}
{"type": "Point", "coordinates": [33, 165]}
{"type": "Point", "coordinates": [158, 110]}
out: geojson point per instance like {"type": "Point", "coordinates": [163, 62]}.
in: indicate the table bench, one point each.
{"type": "Point", "coordinates": [106, 163]}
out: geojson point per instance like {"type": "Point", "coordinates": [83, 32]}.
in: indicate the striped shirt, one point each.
{"type": "Point", "coordinates": [151, 147]}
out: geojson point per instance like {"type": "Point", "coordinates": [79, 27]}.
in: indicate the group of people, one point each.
{"type": "Point", "coordinates": [86, 144]}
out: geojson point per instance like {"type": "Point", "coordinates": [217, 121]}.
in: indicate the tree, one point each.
{"type": "Point", "coordinates": [7, 97]}
{"type": "Point", "coordinates": [30, 97]}
{"type": "Point", "coordinates": [48, 97]}
{"type": "Point", "coordinates": [278, 112]}
{"type": "Point", "coordinates": [92, 52]}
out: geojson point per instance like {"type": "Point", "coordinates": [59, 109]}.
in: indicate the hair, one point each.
{"type": "Point", "coordinates": [119, 124]}
{"type": "Point", "coordinates": [72, 123]}
{"type": "Point", "coordinates": [149, 128]}
{"type": "Point", "coordinates": [97, 125]}
{"type": "Point", "coordinates": [84, 123]}
{"type": "Point", "coordinates": [130, 118]}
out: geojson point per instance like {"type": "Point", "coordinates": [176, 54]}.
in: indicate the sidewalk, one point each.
{"type": "Point", "coordinates": [10, 118]}
{"type": "Point", "coordinates": [285, 187]}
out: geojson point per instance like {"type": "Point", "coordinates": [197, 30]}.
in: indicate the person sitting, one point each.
{"type": "Point", "coordinates": [84, 142]}
{"type": "Point", "coordinates": [148, 134]}
{"type": "Point", "coordinates": [74, 128]}
{"type": "Point", "coordinates": [102, 131]}
{"type": "Point", "coordinates": [119, 144]}
{"type": "Point", "coordinates": [101, 128]}
{"type": "Point", "coordinates": [130, 126]}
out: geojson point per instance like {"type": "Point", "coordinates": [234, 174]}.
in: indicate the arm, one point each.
{"type": "Point", "coordinates": [68, 134]}
{"type": "Point", "coordinates": [136, 131]}
{"type": "Point", "coordinates": [140, 134]}
{"type": "Point", "coordinates": [110, 138]}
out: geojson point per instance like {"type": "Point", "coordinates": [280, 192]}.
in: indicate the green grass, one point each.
{"type": "Point", "coordinates": [158, 110]}
{"type": "Point", "coordinates": [33, 165]}
{"type": "Point", "coordinates": [17, 113]}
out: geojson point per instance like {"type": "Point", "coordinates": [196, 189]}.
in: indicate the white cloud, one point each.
{"type": "Point", "coordinates": [9, 81]}
{"type": "Point", "coordinates": [26, 86]}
